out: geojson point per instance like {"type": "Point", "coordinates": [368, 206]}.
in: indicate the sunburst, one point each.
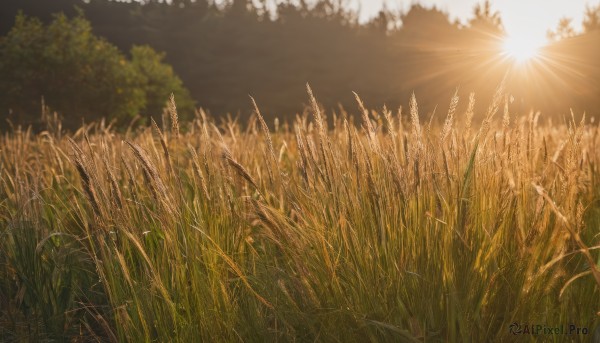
{"type": "Point", "coordinates": [522, 48]}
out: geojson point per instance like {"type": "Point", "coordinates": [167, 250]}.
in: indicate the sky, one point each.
{"type": "Point", "coordinates": [520, 17]}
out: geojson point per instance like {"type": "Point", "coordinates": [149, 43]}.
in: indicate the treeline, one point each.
{"type": "Point", "coordinates": [223, 52]}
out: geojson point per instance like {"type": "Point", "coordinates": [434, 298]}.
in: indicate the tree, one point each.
{"type": "Point", "coordinates": [486, 20]}
{"type": "Point", "coordinates": [240, 8]}
{"type": "Point", "coordinates": [591, 20]}
{"type": "Point", "coordinates": [158, 81]}
{"type": "Point", "coordinates": [425, 23]}
{"type": "Point", "coordinates": [385, 20]}
{"type": "Point", "coordinates": [564, 30]}
{"type": "Point", "coordinates": [79, 75]}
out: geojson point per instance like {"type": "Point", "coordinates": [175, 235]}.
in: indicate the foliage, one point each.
{"type": "Point", "coordinates": [77, 74]}
{"type": "Point", "coordinates": [591, 20]}
{"type": "Point", "coordinates": [383, 230]}
{"type": "Point", "coordinates": [158, 81]}
{"type": "Point", "coordinates": [80, 75]}
{"type": "Point", "coordinates": [420, 23]}
{"type": "Point", "coordinates": [486, 20]}
{"type": "Point", "coordinates": [225, 50]}
{"type": "Point", "coordinates": [563, 30]}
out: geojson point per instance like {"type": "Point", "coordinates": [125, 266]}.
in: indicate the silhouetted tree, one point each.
{"type": "Point", "coordinates": [563, 30]}
{"type": "Point", "coordinates": [591, 18]}
{"type": "Point", "coordinates": [385, 21]}
{"type": "Point", "coordinates": [425, 23]}
{"type": "Point", "coordinates": [223, 50]}
{"type": "Point", "coordinates": [486, 20]}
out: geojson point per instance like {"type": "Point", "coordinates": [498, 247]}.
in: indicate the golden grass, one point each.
{"type": "Point", "coordinates": [378, 231]}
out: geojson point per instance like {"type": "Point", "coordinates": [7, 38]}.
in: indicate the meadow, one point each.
{"type": "Point", "coordinates": [371, 225]}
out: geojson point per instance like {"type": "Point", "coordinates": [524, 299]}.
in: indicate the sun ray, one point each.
{"type": "Point", "coordinates": [521, 48]}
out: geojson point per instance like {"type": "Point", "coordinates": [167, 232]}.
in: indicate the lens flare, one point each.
{"type": "Point", "coordinates": [521, 48]}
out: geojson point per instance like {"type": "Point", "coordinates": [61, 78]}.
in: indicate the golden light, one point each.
{"type": "Point", "coordinates": [522, 48]}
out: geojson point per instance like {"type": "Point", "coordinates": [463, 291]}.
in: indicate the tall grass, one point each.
{"type": "Point", "coordinates": [380, 230]}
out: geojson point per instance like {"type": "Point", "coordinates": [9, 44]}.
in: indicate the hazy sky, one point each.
{"type": "Point", "coordinates": [530, 17]}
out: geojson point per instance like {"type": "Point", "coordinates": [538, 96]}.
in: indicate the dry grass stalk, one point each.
{"type": "Point", "coordinates": [88, 185]}
{"type": "Point", "coordinates": [416, 126]}
{"type": "Point", "coordinates": [265, 129]}
{"type": "Point", "coordinates": [163, 143]}
{"type": "Point", "coordinates": [450, 118]}
{"type": "Point", "coordinates": [469, 114]}
{"type": "Point", "coordinates": [87, 179]}
{"type": "Point", "coordinates": [316, 113]}
{"type": "Point", "coordinates": [174, 118]}
{"type": "Point", "coordinates": [506, 115]}
{"type": "Point", "coordinates": [389, 124]}
{"type": "Point", "coordinates": [115, 189]}
{"type": "Point", "coordinates": [238, 168]}
{"type": "Point", "coordinates": [322, 134]}
{"type": "Point", "coordinates": [365, 116]}
{"type": "Point", "coordinates": [303, 161]}
{"type": "Point", "coordinates": [151, 172]}
{"type": "Point", "coordinates": [414, 115]}
{"type": "Point", "coordinates": [199, 171]}
{"type": "Point", "coordinates": [131, 179]}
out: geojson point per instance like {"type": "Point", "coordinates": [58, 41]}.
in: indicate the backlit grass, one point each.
{"type": "Point", "coordinates": [336, 229]}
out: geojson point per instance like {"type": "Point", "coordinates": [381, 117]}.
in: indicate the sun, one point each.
{"type": "Point", "coordinates": [522, 48]}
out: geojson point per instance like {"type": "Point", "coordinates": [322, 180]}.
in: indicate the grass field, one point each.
{"type": "Point", "coordinates": [333, 229]}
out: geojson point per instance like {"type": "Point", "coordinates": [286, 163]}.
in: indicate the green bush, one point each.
{"type": "Point", "coordinates": [80, 75]}
{"type": "Point", "coordinates": [159, 81]}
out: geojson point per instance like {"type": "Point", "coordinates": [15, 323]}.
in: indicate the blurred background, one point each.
{"type": "Point", "coordinates": [118, 59]}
